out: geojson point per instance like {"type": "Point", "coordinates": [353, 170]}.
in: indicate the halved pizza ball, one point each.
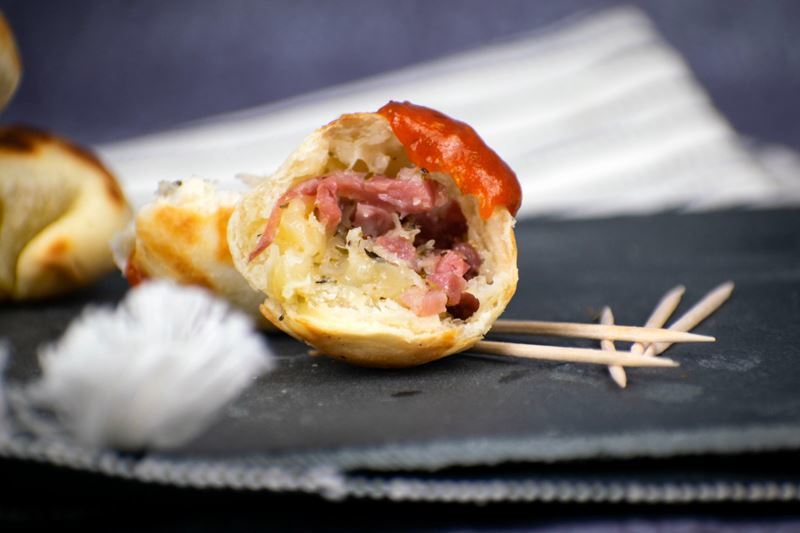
{"type": "Point", "coordinates": [386, 239]}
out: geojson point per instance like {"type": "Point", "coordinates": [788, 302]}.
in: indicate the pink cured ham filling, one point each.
{"type": "Point", "coordinates": [400, 247]}
{"type": "Point", "coordinates": [372, 204]}
{"type": "Point", "coordinates": [407, 194]}
{"type": "Point", "coordinates": [424, 302]}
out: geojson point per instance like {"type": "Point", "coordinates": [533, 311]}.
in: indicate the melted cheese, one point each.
{"type": "Point", "coordinates": [306, 264]}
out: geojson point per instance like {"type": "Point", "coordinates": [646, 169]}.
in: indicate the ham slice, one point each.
{"type": "Point", "coordinates": [424, 302]}
{"type": "Point", "coordinates": [400, 248]}
{"type": "Point", "coordinates": [327, 204]}
{"type": "Point", "coordinates": [407, 194]}
{"type": "Point", "coordinates": [373, 203]}
{"type": "Point", "coordinates": [373, 220]}
{"type": "Point", "coordinates": [448, 275]}
{"type": "Point", "coordinates": [471, 256]}
{"type": "Point", "coordinates": [307, 188]}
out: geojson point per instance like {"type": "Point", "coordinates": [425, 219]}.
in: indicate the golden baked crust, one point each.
{"type": "Point", "coordinates": [360, 330]}
{"type": "Point", "coordinates": [59, 207]}
{"type": "Point", "coordinates": [182, 236]}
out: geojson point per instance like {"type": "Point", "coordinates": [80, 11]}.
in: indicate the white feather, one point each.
{"type": "Point", "coordinates": [153, 372]}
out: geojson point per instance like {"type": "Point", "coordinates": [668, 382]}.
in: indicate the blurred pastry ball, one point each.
{"type": "Point", "coordinates": [59, 208]}
{"type": "Point", "coordinates": [181, 235]}
{"type": "Point", "coordinates": [10, 66]}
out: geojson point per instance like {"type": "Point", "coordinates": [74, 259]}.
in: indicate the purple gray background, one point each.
{"type": "Point", "coordinates": [100, 70]}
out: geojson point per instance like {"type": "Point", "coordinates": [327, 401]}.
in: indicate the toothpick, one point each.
{"type": "Point", "coordinates": [663, 310]}
{"type": "Point", "coordinates": [617, 372]}
{"type": "Point", "coordinates": [569, 355]}
{"type": "Point", "coordinates": [597, 331]}
{"type": "Point", "coordinates": [701, 310]}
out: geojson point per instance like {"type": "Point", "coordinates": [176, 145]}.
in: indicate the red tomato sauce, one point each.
{"type": "Point", "coordinates": [439, 143]}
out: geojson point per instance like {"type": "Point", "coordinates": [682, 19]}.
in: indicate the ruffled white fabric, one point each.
{"type": "Point", "coordinates": [151, 373]}
{"type": "Point", "coordinates": [598, 115]}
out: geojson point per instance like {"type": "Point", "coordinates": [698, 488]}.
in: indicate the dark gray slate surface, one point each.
{"type": "Point", "coordinates": [741, 393]}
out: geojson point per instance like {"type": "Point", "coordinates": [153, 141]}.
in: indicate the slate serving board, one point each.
{"type": "Point", "coordinates": [514, 419]}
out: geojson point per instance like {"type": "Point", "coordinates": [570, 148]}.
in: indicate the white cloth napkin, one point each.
{"type": "Point", "coordinates": [597, 115]}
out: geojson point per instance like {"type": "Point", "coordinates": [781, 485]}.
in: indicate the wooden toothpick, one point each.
{"type": "Point", "coordinates": [597, 331]}
{"type": "Point", "coordinates": [701, 310]}
{"type": "Point", "coordinates": [569, 355]}
{"type": "Point", "coordinates": [617, 372]}
{"type": "Point", "coordinates": [663, 310]}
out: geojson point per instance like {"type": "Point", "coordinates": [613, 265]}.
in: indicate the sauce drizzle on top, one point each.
{"type": "Point", "coordinates": [439, 143]}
